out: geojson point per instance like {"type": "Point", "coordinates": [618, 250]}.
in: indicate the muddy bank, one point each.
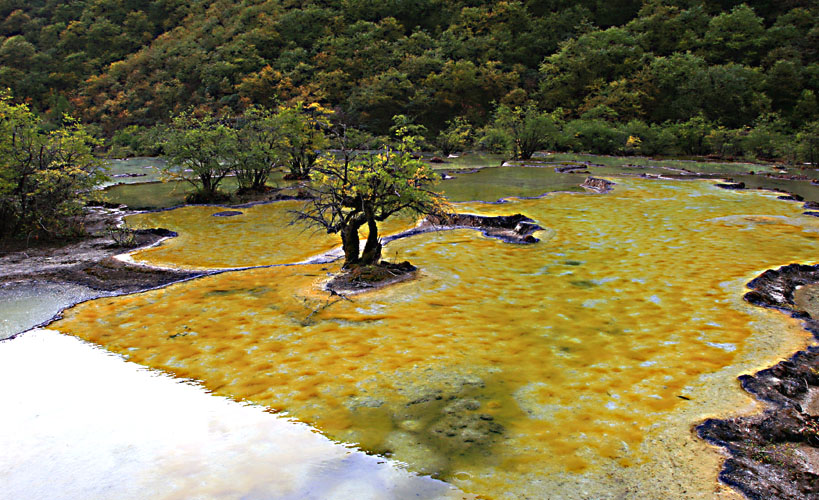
{"type": "Point", "coordinates": [365, 278]}
{"type": "Point", "coordinates": [21, 259]}
{"type": "Point", "coordinates": [776, 454]}
{"type": "Point", "coordinates": [86, 262]}
{"type": "Point", "coordinates": [112, 275]}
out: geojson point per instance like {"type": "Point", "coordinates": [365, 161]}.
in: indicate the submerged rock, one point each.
{"type": "Point", "coordinates": [447, 420]}
{"type": "Point", "coordinates": [408, 448]}
{"type": "Point", "coordinates": [461, 428]}
{"type": "Point", "coordinates": [572, 169]}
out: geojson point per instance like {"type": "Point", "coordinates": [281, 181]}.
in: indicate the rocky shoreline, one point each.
{"type": "Point", "coordinates": [775, 454]}
{"type": "Point", "coordinates": [89, 261]}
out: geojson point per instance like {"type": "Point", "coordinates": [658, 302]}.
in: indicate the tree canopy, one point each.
{"type": "Point", "coordinates": [45, 175]}
{"type": "Point", "coordinates": [121, 63]}
{"type": "Point", "coordinates": [199, 150]}
{"type": "Point", "coordinates": [365, 190]}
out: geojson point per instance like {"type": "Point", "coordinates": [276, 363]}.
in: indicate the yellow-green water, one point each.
{"type": "Point", "coordinates": [552, 370]}
{"type": "Point", "coordinates": [262, 235]}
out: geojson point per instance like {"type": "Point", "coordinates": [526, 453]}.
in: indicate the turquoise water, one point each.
{"type": "Point", "coordinates": [491, 185]}
{"type": "Point", "coordinates": [802, 188]}
{"type": "Point", "coordinates": [468, 161]}
{"type": "Point", "coordinates": [157, 195]}
{"type": "Point", "coordinates": [494, 183]}
{"type": "Point", "coordinates": [698, 166]}
{"type": "Point", "coordinates": [135, 170]}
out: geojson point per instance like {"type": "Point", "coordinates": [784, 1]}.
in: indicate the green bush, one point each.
{"type": "Point", "coordinates": [650, 140]}
{"type": "Point", "coordinates": [135, 141]}
{"type": "Point", "coordinates": [807, 144]}
{"type": "Point", "coordinates": [766, 140]}
{"type": "Point", "coordinates": [45, 176]}
{"type": "Point", "coordinates": [527, 129]}
{"type": "Point", "coordinates": [691, 135]}
{"type": "Point", "coordinates": [726, 143]}
{"type": "Point", "coordinates": [595, 136]}
{"type": "Point", "coordinates": [494, 140]}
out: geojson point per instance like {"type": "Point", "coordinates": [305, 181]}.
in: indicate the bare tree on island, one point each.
{"type": "Point", "coordinates": [368, 189]}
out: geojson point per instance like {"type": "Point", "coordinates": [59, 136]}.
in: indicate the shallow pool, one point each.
{"type": "Point", "coordinates": [575, 367]}
{"type": "Point", "coordinates": [25, 305]}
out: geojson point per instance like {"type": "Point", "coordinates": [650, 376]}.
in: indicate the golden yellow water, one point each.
{"type": "Point", "coordinates": [581, 347]}
{"type": "Point", "coordinates": [262, 235]}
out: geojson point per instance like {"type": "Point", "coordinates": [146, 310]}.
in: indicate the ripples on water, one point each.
{"type": "Point", "coordinates": [575, 366]}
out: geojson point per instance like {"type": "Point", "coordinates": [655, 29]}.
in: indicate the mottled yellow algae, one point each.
{"type": "Point", "coordinates": [557, 367]}
{"type": "Point", "coordinates": [262, 235]}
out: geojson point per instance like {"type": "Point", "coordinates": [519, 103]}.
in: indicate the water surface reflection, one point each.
{"type": "Point", "coordinates": [25, 305]}
{"type": "Point", "coordinates": [81, 423]}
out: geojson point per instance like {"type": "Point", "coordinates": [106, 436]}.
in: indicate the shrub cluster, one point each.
{"type": "Point", "coordinates": [46, 174]}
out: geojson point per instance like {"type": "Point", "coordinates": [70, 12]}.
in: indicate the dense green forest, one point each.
{"type": "Point", "coordinates": [615, 76]}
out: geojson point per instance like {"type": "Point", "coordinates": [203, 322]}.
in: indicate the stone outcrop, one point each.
{"type": "Point", "coordinates": [363, 278]}
{"type": "Point", "coordinates": [774, 454]}
{"type": "Point", "coordinates": [733, 186]}
{"type": "Point", "coordinates": [597, 185]}
{"type": "Point", "coordinates": [572, 169]}
{"type": "Point", "coordinates": [511, 228]}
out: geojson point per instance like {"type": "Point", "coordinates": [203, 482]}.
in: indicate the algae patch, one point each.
{"type": "Point", "coordinates": [585, 341]}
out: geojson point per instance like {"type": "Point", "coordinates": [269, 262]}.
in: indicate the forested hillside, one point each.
{"type": "Point", "coordinates": [712, 64]}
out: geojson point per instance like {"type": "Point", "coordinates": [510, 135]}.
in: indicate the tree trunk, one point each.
{"type": "Point", "coordinates": [349, 241]}
{"type": "Point", "coordinates": [208, 186]}
{"type": "Point", "coordinates": [372, 249]}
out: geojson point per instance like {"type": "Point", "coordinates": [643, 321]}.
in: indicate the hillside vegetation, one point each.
{"type": "Point", "coordinates": [637, 68]}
